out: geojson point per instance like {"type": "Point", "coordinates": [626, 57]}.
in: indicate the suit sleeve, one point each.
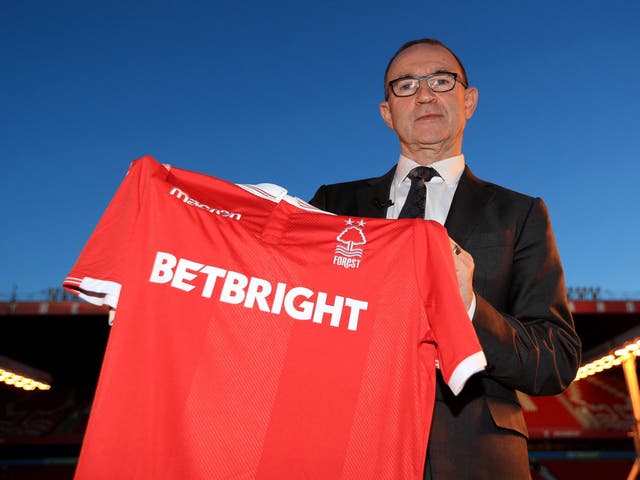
{"type": "Point", "coordinates": [534, 347]}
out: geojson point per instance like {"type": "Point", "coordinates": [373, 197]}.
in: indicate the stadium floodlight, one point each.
{"type": "Point", "coordinates": [23, 376]}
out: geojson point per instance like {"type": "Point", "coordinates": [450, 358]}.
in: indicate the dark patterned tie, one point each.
{"type": "Point", "coordinates": [417, 198]}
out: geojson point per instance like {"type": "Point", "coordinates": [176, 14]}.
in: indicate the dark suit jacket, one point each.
{"type": "Point", "coordinates": [522, 320]}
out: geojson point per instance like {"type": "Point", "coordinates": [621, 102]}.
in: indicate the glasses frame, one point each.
{"type": "Point", "coordinates": [426, 78]}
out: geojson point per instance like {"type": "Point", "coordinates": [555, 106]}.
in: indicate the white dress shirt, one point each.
{"type": "Point", "coordinates": [440, 189]}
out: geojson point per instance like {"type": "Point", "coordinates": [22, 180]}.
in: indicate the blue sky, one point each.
{"type": "Point", "coordinates": [288, 93]}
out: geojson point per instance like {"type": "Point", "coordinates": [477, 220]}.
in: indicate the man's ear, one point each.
{"type": "Point", "coordinates": [470, 101]}
{"type": "Point", "coordinates": [385, 112]}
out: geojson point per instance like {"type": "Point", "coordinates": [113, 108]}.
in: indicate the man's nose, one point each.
{"type": "Point", "coordinates": [424, 93]}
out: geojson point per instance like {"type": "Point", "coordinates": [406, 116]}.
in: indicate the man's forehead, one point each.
{"type": "Point", "coordinates": [433, 57]}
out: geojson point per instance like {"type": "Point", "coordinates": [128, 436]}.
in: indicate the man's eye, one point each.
{"type": "Point", "coordinates": [441, 81]}
{"type": "Point", "coordinates": [405, 85]}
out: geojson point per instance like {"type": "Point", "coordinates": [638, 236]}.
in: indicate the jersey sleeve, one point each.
{"type": "Point", "coordinates": [459, 352]}
{"type": "Point", "coordinates": [97, 274]}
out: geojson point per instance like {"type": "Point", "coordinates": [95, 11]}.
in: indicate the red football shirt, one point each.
{"type": "Point", "coordinates": [257, 337]}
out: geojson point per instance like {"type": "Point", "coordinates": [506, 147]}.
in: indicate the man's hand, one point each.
{"type": "Point", "coordinates": [463, 262]}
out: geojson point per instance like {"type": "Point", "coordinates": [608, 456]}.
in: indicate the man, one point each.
{"type": "Point", "coordinates": [509, 272]}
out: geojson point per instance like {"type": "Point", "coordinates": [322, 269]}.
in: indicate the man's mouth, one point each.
{"type": "Point", "coordinates": [428, 116]}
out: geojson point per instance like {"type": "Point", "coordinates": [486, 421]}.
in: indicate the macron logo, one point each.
{"type": "Point", "coordinates": [180, 195]}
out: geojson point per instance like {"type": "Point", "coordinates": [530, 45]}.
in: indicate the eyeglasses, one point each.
{"type": "Point", "coordinates": [438, 82]}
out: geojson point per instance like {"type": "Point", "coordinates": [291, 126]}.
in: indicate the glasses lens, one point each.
{"type": "Point", "coordinates": [404, 87]}
{"type": "Point", "coordinates": [442, 82]}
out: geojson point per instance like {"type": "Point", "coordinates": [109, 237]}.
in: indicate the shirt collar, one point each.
{"type": "Point", "coordinates": [450, 169]}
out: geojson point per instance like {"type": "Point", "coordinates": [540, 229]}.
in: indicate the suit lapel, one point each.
{"type": "Point", "coordinates": [374, 193]}
{"type": "Point", "coordinates": [466, 209]}
{"type": "Point", "coordinates": [467, 206]}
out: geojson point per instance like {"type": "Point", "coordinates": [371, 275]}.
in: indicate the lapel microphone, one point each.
{"type": "Point", "coordinates": [382, 203]}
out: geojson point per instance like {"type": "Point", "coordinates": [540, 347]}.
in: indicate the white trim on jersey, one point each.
{"type": "Point", "coordinates": [97, 292]}
{"type": "Point", "coordinates": [276, 194]}
{"type": "Point", "coordinates": [268, 191]}
{"type": "Point", "coordinates": [465, 369]}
